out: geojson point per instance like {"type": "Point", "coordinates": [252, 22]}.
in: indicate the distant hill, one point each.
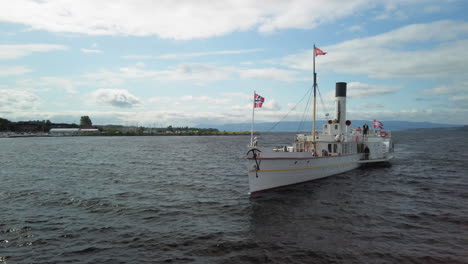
{"type": "Point", "coordinates": [296, 126]}
{"type": "Point", "coordinates": [442, 129]}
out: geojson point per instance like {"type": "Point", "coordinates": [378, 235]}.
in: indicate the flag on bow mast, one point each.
{"type": "Point", "coordinates": [258, 100]}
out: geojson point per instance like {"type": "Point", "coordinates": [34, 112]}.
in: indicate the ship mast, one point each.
{"type": "Point", "coordinates": [252, 126]}
{"type": "Point", "coordinates": [315, 104]}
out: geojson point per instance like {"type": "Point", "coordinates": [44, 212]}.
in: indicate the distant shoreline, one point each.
{"type": "Point", "coordinates": [218, 133]}
{"type": "Point", "coordinates": [126, 135]}
{"type": "Point", "coordinates": [451, 129]}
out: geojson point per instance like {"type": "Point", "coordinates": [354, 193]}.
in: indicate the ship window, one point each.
{"type": "Point", "coordinates": [326, 126]}
{"type": "Point", "coordinates": [329, 148]}
{"type": "Point", "coordinates": [336, 126]}
{"type": "Point", "coordinates": [335, 147]}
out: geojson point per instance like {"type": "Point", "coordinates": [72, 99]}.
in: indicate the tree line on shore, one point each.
{"type": "Point", "coordinates": [20, 126]}
{"type": "Point", "coordinates": [39, 125]}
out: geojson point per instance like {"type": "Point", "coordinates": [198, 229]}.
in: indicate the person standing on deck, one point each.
{"type": "Point", "coordinates": [365, 128]}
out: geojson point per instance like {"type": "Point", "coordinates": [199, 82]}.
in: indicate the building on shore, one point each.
{"type": "Point", "coordinates": [89, 131]}
{"type": "Point", "coordinates": [57, 132]}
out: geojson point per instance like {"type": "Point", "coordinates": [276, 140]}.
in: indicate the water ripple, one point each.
{"type": "Point", "coordinates": [184, 200]}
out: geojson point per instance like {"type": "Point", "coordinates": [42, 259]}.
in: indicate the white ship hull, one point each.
{"type": "Point", "coordinates": [293, 168]}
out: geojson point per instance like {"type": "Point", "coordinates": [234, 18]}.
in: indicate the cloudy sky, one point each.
{"type": "Point", "coordinates": [187, 62]}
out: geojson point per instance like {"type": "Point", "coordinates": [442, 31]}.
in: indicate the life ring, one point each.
{"type": "Point", "coordinates": [383, 134]}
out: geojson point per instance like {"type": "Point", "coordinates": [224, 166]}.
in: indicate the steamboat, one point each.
{"type": "Point", "coordinates": [336, 149]}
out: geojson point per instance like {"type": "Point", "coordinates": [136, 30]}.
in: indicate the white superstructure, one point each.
{"type": "Point", "coordinates": [336, 149]}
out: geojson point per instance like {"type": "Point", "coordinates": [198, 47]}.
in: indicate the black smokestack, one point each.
{"type": "Point", "coordinates": [340, 89]}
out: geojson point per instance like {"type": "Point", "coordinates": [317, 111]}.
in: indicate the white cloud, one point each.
{"type": "Point", "coordinates": [86, 51]}
{"type": "Point", "coordinates": [105, 78]}
{"type": "Point", "coordinates": [272, 105]}
{"type": "Point", "coordinates": [13, 101]}
{"type": "Point", "coordinates": [448, 115]}
{"type": "Point", "coordinates": [60, 83]}
{"type": "Point", "coordinates": [356, 28]}
{"type": "Point", "coordinates": [372, 105]}
{"type": "Point", "coordinates": [120, 98]}
{"type": "Point", "coordinates": [184, 56]}
{"type": "Point", "coordinates": [51, 82]}
{"type": "Point", "coordinates": [187, 19]}
{"type": "Point", "coordinates": [392, 14]}
{"type": "Point", "coordinates": [138, 57]}
{"type": "Point", "coordinates": [201, 73]}
{"type": "Point", "coordinates": [309, 14]}
{"type": "Point", "coordinates": [181, 72]}
{"type": "Point", "coordinates": [136, 72]}
{"type": "Point", "coordinates": [181, 56]}
{"type": "Point", "coordinates": [460, 100]}
{"type": "Point", "coordinates": [161, 99]}
{"type": "Point", "coordinates": [15, 70]}
{"type": "Point", "coordinates": [239, 95]}
{"type": "Point", "coordinates": [205, 100]}
{"type": "Point", "coordinates": [271, 74]}
{"type": "Point", "coordinates": [21, 50]}
{"type": "Point", "coordinates": [447, 89]}
{"type": "Point", "coordinates": [183, 118]}
{"type": "Point", "coordinates": [202, 102]}
{"type": "Point", "coordinates": [360, 90]}
{"type": "Point", "coordinates": [403, 9]}
{"type": "Point", "coordinates": [443, 30]}
{"type": "Point", "coordinates": [386, 55]}
{"type": "Point", "coordinates": [357, 90]}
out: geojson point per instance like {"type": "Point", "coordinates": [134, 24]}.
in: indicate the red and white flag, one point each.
{"type": "Point", "coordinates": [378, 124]}
{"type": "Point", "coordinates": [258, 100]}
{"type": "Point", "coordinates": [319, 52]}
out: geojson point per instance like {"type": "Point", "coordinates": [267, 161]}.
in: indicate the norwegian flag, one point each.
{"type": "Point", "coordinates": [319, 52]}
{"type": "Point", "coordinates": [258, 100]}
{"type": "Point", "coordinates": [378, 124]}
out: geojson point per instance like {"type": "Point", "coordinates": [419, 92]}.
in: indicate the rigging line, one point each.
{"type": "Point", "coordinates": [304, 113]}
{"type": "Point", "coordinates": [290, 110]}
{"type": "Point", "coordinates": [321, 100]}
{"type": "Point", "coordinates": [301, 124]}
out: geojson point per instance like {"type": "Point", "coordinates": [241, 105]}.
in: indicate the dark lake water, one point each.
{"type": "Point", "coordinates": [184, 200]}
